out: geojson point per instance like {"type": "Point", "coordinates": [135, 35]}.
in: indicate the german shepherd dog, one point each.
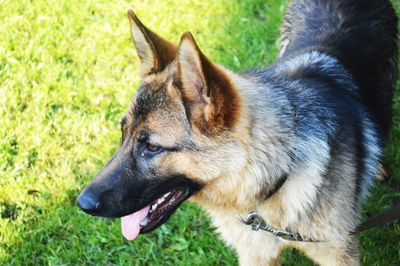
{"type": "Point", "coordinates": [299, 142]}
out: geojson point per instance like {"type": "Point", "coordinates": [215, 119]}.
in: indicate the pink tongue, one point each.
{"type": "Point", "coordinates": [130, 224]}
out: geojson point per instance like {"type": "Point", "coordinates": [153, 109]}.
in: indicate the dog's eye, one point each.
{"type": "Point", "coordinates": [151, 150]}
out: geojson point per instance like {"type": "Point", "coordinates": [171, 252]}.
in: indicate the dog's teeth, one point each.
{"type": "Point", "coordinates": [154, 206]}
{"type": "Point", "coordinates": [166, 194]}
{"type": "Point", "coordinates": [144, 222]}
{"type": "Point", "coordinates": [160, 200]}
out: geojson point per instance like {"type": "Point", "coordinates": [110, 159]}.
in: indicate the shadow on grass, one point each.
{"type": "Point", "coordinates": [62, 234]}
{"type": "Point", "coordinates": [381, 245]}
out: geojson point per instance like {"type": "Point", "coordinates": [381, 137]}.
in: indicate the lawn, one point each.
{"type": "Point", "coordinates": [68, 70]}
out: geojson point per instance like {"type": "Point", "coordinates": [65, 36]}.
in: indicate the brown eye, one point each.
{"type": "Point", "coordinates": [152, 148]}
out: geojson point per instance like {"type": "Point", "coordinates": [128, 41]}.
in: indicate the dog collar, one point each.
{"type": "Point", "coordinates": [257, 222]}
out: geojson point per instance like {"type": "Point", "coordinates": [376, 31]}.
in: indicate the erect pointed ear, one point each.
{"type": "Point", "coordinates": [154, 52]}
{"type": "Point", "coordinates": [209, 95]}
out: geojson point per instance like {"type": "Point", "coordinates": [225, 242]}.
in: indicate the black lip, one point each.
{"type": "Point", "coordinates": [154, 224]}
{"type": "Point", "coordinates": [126, 198]}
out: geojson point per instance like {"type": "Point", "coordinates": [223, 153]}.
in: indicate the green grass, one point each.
{"type": "Point", "coordinates": [67, 73]}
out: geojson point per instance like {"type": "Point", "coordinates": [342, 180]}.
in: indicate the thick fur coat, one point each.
{"type": "Point", "coordinates": [299, 142]}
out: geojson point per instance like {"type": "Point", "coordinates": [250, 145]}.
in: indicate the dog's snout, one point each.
{"type": "Point", "coordinates": [89, 202]}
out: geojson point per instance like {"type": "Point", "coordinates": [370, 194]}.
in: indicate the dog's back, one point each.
{"type": "Point", "coordinates": [348, 30]}
{"type": "Point", "coordinates": [296, 142]}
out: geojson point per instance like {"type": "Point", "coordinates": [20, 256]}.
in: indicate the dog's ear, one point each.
{"type": "Point", "coordinates": [210, 98]}
{"type": "Point", "coordinates": [154, 52]}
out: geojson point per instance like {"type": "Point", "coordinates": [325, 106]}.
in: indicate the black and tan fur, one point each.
{"type": "Point", "coordinates": [300, 142]}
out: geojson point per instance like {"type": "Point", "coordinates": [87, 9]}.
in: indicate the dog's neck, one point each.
{"type": "Point", "coordinates": [267, 150]}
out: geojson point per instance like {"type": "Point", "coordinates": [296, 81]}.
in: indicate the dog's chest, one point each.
{"type": "Point", "coordinates": [241, 237]}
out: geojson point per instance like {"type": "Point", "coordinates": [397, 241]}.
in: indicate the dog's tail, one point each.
{"type": "Point", "coordinates": [361, 34]}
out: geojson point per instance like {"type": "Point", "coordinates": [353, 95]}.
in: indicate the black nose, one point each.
{"type": "Point", "coordinates": [89, 202]}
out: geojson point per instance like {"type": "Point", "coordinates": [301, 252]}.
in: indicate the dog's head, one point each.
{"type": "Point", "coordinates": [176, 135]}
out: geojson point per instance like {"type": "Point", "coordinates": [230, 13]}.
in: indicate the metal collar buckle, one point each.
{"type": "Point", "coordinates": [257, 222]}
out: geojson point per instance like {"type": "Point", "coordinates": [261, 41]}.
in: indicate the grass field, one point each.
{"type": "Point", "coordinates": [67, 73]}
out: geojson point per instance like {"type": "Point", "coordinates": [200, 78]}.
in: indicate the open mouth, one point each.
{"type": "Point", "coordinates": [153, 215]}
